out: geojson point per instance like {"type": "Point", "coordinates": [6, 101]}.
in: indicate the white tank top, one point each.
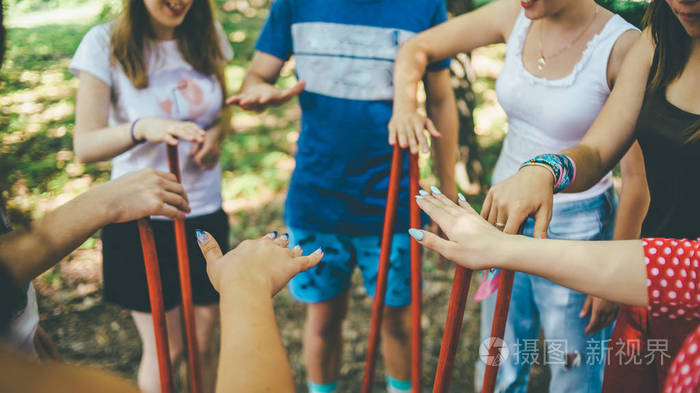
{"type": "Point", "coordinates": [548, 116]}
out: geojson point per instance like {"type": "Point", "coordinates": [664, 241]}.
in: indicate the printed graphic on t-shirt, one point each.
{"type": "Point", "coordinates": [347, 61]}
{"type": "Point", "coordinates": [181, 94]}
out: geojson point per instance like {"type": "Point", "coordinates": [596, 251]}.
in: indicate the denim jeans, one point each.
{"type": "Point", "coordinates": [576, 360]}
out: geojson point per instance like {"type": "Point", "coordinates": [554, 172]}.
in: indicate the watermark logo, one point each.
{"type": "Point", "coordinates": [501, 351]}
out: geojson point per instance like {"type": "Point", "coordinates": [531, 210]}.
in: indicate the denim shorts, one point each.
{"type": "Point", "coordinates": [537, 303]}
{"type": "Point", "coordinates": [342, 253]}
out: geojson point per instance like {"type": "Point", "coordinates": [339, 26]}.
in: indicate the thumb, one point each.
{"type": "Point", "coordinates": [210, 248]}
{"type": "Point", "coordinates": [308, 261]}
{"type": "Point", "coordinates": [586, 307]}
{"type": "Point", "coordinates": [446, 248]}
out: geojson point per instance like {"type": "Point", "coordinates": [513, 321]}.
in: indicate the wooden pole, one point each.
{"type": "Point", "coordinates": [183, 261]}
{"type": "Point", "coordinates": [453, 327]}
{"type": "Point", "coordinates": [498, 328]}
{"type": "Point", "coordinates": [416, 267]}
{"type": "Point", "coordinates": [384, 254]}
{"type": "Point", "coordinates": [155, 294]}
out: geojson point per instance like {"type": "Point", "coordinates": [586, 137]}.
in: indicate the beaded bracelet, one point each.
{"type": "Point", "coordinates": [562, 167]}
{"type": "Point", "coordinates": [131, 133]}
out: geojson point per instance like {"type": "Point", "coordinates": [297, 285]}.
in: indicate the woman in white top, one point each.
{"type": "Point", "coordinates": [561, 63]}
{"type": "Point", "coordinates": [155, 75]}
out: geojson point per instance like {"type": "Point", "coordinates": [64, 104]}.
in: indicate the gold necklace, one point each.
{"type": "Point", "coordinates": [542, 61]}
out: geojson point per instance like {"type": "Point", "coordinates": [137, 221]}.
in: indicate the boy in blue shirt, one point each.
{"type": "Point", "coordinates": [344, 52]}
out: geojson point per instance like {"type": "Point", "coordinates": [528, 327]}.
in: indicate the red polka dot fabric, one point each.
{"type": "Point", "coordinates": [673, 267]}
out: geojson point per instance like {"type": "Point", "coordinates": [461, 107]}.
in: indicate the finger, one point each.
{"type": "Point", "coordinates": [542, 218]}
{"type": "Point", "coordinates": [175, 200]}
{"type": "Point", "coordinates": [196, 148]}
{"type": "Point", "coordinates": [430, 126]}
{"type": "Point", "coordinates": [487, 205]}
{"type": "Point", "coordinates": [415, 129]}
{"type": "Point", "coordinates": [423, 141]}
{"type": "Point", "coordinates": [436, 213]}
{"type": "Point", "coordinates": [210, 248]}
{"type": "Point", "coordinates": [289, 93]}
{"type": "Point", "coordinates": [233, 100]}
{"type": "Point", "coordinates": [493, 214]}
{"type": "Point", "coordinates": [593, 324]}
{"type": "Point", "coordinates": [392, 134]}
{"type": "Point", "coordinates": [282, 240]}
{"type": "Point", "coordinates": [445, 202]}
{"type": "Point", "coordinates": [170, 140]}
{"type": "Point", "coordinates": [296, 251]}
{"type": "Point", "coordinates": [446, 248]}
{"type": "Point", "coordinates": [169, 211]}
{"type": "Point", "coordinates": [586, 307]}
{"type": "Point", "coordinates": [462, 202]}
{"type": "Point", "coordinates": [403, 139]}
{"type": "Point", "coordinates": [308, 261]}
{"type": "Point", "coordinates": [514, 222]}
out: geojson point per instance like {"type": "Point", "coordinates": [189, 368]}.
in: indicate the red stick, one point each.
{"type": "Point", "coordinates": [155, 294]}
{"type": "Point", "coordinates": [416, 266]}
{"type": "Point", "coordinates": [384, 254]}
{"type": "Point", "coordinates": [498, 328]}
{"type": "Point", "coordinates": [453, 327]}
{"type": "Point", "coordinates": [183, 261]}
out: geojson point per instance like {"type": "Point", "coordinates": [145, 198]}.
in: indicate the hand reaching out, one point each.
{"type": "Point", "coordinates": [472, 240]}
{"type": "Point", "coordinates": [147, 192]}
{"type": "Point", "coordinates": [259, 97]}
{"type": "Point", "coordinates": [155, 129]}
{"type": "Point", "coordinates": [265, 261]}
{"type": "Point", "coordinates": [408, 130]}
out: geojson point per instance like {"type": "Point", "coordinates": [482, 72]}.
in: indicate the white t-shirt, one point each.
{"type": "Point", "coordinates": [23, 327]}
{"type": "Point", "coordinates": [175, 91]}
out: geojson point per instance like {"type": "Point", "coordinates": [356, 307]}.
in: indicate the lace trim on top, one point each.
{"type": "Point", "coordinates": [568, 80]}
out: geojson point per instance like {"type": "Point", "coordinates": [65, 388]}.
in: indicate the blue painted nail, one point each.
{"type": "Point", "coordinates": [272, 235]}
{"type": "Point", "coordinates": [296, 248]}
{"type": "Point", "coordinates": [202, 236]}
{"type": "Point", "coordinates": [423, 192]}
{"type": "Point", "coordinates": [461, 197]}
{"type": "Point", "coordinates": [435, 190]}
{"type": "Point", "coordinates": [419, 196]}
{"type": "Point", "coordinates": [416, 234]}
{"type": "Point", "coordinates": [284, 236]}
{"type": "Point", "coordinates": [319, 251]}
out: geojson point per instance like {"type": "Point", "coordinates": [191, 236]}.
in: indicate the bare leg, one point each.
{"type": "Point", "coordinates": [148, 375]}
{"type": "Point", "coordinates": [323, 344]}
{"type": "Point", "coordinates": [206, 318]}
{"type": "Point", "coordinates": [396, 341]}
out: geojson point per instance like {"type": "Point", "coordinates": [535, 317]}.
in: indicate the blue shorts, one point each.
{"type": "Point", "coordinates": [333, 274]}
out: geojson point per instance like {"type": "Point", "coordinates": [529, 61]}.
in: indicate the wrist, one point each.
{"type": "Point", "coordinates": [136, 131]}
{"type": "Point", "coordinates": [238, 282]}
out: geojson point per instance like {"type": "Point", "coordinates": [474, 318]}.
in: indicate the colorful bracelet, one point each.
{"type": "Point", "coordinates": [131, 133]}
{"type": "Point", "coordinates": [562, 167]}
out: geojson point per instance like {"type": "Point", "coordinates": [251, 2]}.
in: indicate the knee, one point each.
{"type": "Point", "coordinates": [397, 323]}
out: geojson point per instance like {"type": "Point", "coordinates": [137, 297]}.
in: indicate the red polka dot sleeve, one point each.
{"type": "Point", "coordinates": [672, 277]}
{"type": "Point", "coordinates": [673, 267]}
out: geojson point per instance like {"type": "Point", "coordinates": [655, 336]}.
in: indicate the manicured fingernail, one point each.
{"type": "Point", "coordinates": [435, 190]}
{"type": "Point", "coordinates": [419, 196]}
{"type": "Point", "coordinates": [319, 251]}
{"type": "Point", "coordinates": [296, 248]}
{"type": "Point", "coordinates": [416, 234]}
{"type": "Point", "coordinates": [272, 235]}
{"type": "Point", "coordinates": [284, 236]}
{"type": "Point", "coordinates": [423, 192]}
{"type": "Point", "coordinates": [202, 236]}
{"type": "Point", "coordinates": [461, 197]}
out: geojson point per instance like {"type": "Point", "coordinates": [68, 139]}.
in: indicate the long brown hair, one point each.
{"type": "Point", "coordinates": [673, 45]}
{"type": "Point", "coordinates": [196, 38]}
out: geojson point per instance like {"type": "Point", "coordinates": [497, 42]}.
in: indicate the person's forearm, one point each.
{"type": "Point", "coordinates": [411, 63]}
{"type": "Point", "coordinates": [102, 144]}
{"type": "Point", "coordinates": [55, 236]}
{"type": "Point", "coordinates": [443, 113]}
{"type": "Point", "coordinates": [611, 270]}
{"type": "Point", "coordinates": [252, 358]}
{"type": "Point", "coordinates": [634, 195]}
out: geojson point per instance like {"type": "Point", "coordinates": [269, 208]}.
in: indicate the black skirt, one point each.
{"type": "Point", "coordinates": [123, 265]}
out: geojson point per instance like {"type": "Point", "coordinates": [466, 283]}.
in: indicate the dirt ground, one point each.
{"type": "Point", "coordinates": [91, 332]}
